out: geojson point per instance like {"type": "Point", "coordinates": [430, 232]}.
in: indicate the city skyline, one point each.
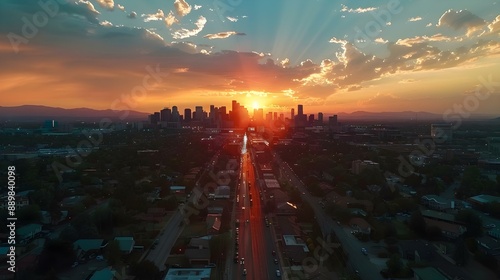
{"type": "Point", "coordinates": [331, 56]}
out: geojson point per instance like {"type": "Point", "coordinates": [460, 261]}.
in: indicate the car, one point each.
{"type": "Point", "coordinates": [248, 221]}
{"type": "Point", "coordinates": [242, 261]}
{"type": "Point", "coordinates": [278, 272]}
{"type": "Point", "coordinates": [276, 261]}
{"type": "Point", "coordinates": [490, 226]}
{"type": "Point", "coordinates": [99, 258]}
{"type": "Point", "coordinates": [244, 271]}
{"type": "Point", "coordinates": [274, 253]}
{"type": "Point", "coordinates": [235, 260]}
{"type": "Point", "coordinates": [75, 264]}
{"type": "Point", "coordinates": [364, 251]}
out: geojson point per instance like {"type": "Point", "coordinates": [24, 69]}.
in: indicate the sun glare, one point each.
{"type": "Point", "coordinates": [255, 105]}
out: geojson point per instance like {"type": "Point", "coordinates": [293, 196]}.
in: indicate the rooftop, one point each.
{"type": "Point", "coordinates": [188, 274]}
{"type": "Point", "coordinates": [429, 273]}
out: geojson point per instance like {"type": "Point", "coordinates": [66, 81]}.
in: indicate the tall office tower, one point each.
{"type": "Point", "coordinates": [282, 117]}
{"type": "Point", "coordinates": [269, 116]}
{"type": "Point", "coordinates": [292, 114]}
{"type": "Point", "coordinates": [300, 110]}
{"type": "Point", "coordinates": [275, 116]}
{"type": "Point", "coordinates": [187, 114]}
{"type": "Point", "coordinates": [223, 113]}
{"type": "Point", "coordinates": [320, 118]}
{"type": "Point", "coordinates": [199, 113]}
{"type": "Point", "coordinates": [311, 119]}
{"type": "Point", "coordinates": [175, 114]}
{"type": "Point", "coordinates": [211, 113]}
{"type": "Point", "coordinates": [165, 115]}
{"type": "Point", "coordinates": [260, 114]}
{"type": "Point", "coordinates": [154, 118]}
{"type": "Point", "coordinates": [332, 121]}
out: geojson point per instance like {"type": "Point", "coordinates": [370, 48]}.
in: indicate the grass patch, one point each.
{"type": "Point", "coordinates": [403, 231]}
{"type": "Point", "coordinates": [194, 230]}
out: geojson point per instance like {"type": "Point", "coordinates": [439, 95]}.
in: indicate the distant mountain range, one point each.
{"type": "Point", "coordinates": [40, 113]}
{"type": "Point", "coordinates": [404, 116]}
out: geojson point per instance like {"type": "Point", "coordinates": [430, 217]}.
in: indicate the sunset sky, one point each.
{"type": "Point", "coordinates": [332, 56]}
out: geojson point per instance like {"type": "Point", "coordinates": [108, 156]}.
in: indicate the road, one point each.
{"type": "Point", "coordinates": [173, 229]}
{"type": "Point", "coordinates": [357, 261]}
{"type": "Point", "coordinates": [256, 243]}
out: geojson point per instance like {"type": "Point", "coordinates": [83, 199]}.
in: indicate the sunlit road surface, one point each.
{"type": "Point", "coordinates": [255, 241]}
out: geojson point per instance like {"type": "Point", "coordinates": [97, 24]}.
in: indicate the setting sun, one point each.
{"type": "Point", "coordinates": [255, 105]}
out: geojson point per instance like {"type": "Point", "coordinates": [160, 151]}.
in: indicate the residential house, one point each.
{"type": "Point", "coordinates": [85, 248]}
{"type": "Point", "coordinates": [126, 244]}
{"type": "Point", "coordinates": [28, 232]}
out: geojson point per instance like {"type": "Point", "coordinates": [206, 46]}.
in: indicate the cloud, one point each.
{"type": "Point", "coordinates": [232, 19]}
{"type": "Point", "coordinates": [186, 33]}
{"type": "Point", "coordinates": [159, 15]}
{"type": "Point", "coordinates": [196, 7]}
{"type": "Point", "coordinates": [170, 19]}
{"type": "Point", "coordinates": [414, 19]}
{"type": "Point", "coordinates": [222, 35]}
{"type": "Point", "coordinates": [132, 15]}
{"type": "Point", "coordinates": [182, 7]}
{"type": "Point", "coordinates": [121, 7]}
{"type": "Point", "coordinates": [461, 19]}
{"type": "Point", "coordinates": [106, 23]}
{"type": "Point", "coordinates": [429, 24]}
{"type": "Point", "coordinates": [107, 4]}
{"type": "Point", "coordinates": [357, 10]}
{"type": "Point", "coordinates": [494, 26]}
{"type": "Point", "coordinates": [337, 41]}
{"type": "Point", "coordinates": [423, 39]}
{"type": "Point", "coordinates": [88, 5]}
{"type": "Point", "coordinates": [380, 40]}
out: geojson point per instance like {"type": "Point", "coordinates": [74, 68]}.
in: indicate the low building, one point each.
{"type": "Point", "coordinates": [439, 216]}
{"type": "Point", "coordinates": [20, 201]}
{"type": "Point", "coordinates": [360, 225]}
{"type": "Point", "coordinates": [177, 189]}
{"type": "Point", "coordinates": [436, 202]}
{"type": "Point", "coordinates": [198, 257]}
{"type": "Point", "coordinates": [489, 245]}
{"type": "Point", "coordinates": [104, 274]}
{"type": "Point", "coordinates": [359, 165]}
{"type": "Point", "coordinates": [428, 273]}
{"type": "Point", "coordinates": [480, 200]}
{"type": "Point", "coordinates": [28, 232]}
{"type": "Point", "coordinates": [450, 230]}
{"type": "Point", "coordinates": [188, 274]}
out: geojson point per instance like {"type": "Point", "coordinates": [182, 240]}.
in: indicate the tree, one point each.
{"type": "Point", "coordinates": [113, 253]}
{"type": "Point", "coordinates": [29, 214]}
{"type": "Point", "coordinates": [145, 270]}
{"type": "Point", "coordinates": [433, 233]}
{"type": "Point", "coordinates": [472, 222]}
{"type": "Point", "coordinates": [417, 223]}
{"type": "Point", "coordinates": [394, 265]}
{"type": "Point", "coordinates": [69, 234]}
{"type": "Point", "coordinates": [460, 255]}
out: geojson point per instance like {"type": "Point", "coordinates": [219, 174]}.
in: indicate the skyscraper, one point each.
{"type": "Point", "coordinates": [199, 113]}
{"type": "Point", "coordinates": [292, 114]}
{"type": "Point", "coordinates": [320, 118]}
{"type": "Point", "coordinates": [187, 114]}
{"type": "Point", "coordinates": [165, 115]}
{"type": "Point", "coordinates": [175, 114]}
{"type": "Point", "coordinates": [300, 110]}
